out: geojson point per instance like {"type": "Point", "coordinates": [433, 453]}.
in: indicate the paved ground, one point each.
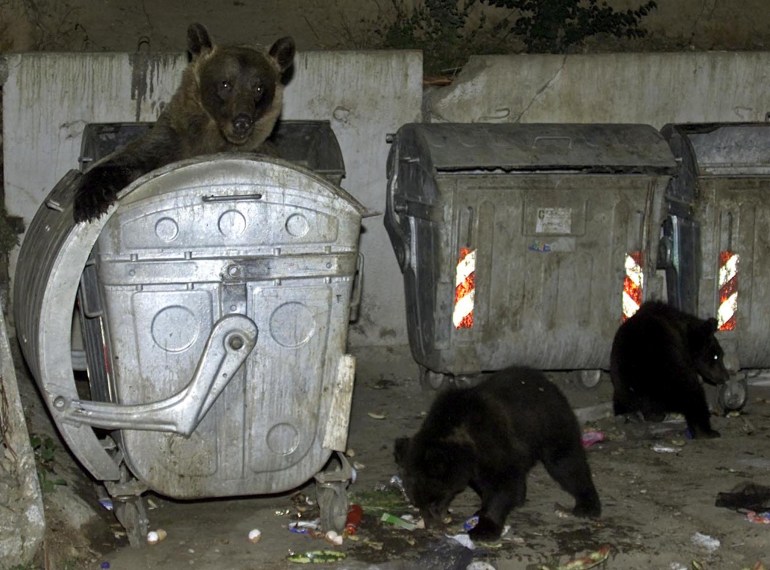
{"type": "Point", "coordinates": [658, 491]}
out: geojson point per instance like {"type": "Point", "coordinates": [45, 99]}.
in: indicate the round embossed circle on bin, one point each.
{"type": "Point", "coordinates": [297, 225]}
{"type": "Point", "coordinates": [232, 223]}
{"type": "Point", "coordinates": [292, 324]}
{"type": "Point", "coordinates": [282, 439]}
{"type": "Point", "coordinates": [166, 229]}
{"type": "Point", "coordinates": [175, 328]}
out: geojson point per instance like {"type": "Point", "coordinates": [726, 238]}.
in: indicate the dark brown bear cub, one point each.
{"type": "Point", "coordinates": [229, 100]}
{"type": "Point", "coordinates": [658, 357]}
{"type": "Point", "coordinates": [489, 437]}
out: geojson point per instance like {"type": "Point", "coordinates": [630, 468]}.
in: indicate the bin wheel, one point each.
{"type": "Point", "coordinates": [733, 394]}
{"type": "Point", "coordinates": [133, 517]}
{"type": "Point", "coordinates": [432, 381]}
{"type": "Point", "coordinates": [333, 504]}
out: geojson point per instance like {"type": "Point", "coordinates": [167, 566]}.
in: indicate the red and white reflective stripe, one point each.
{"type": "Point", "coordinates": [633, 284]}
{"type": "Point", "coordinates": [728, 290]}
{"type": "Point", "coordinates": [465, 289]}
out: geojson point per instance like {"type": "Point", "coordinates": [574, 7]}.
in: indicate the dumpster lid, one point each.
{"type": "Point", "coordinates": [741, 147]}
{"type": "Point", "coordinates": [541, 146]}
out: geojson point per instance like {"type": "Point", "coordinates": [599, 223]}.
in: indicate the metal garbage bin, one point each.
{"type": "Point", "coordinates": [224, 288]}
{"type": "Point", "coordinates": [714, 236]}
{"type": "Point", "coordinates": [523, 243]}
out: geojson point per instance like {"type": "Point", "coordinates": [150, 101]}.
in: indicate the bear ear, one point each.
{"type": "Point", "coordinates": [711, 325]}
{"type": "Point", "coordinates": [400, 450]}
{"type": "Point", "coordinates": [198, 40]}
{"type": "Point", "coordinates": [282, 51]}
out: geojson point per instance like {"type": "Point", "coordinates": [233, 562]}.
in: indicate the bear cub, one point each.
{"type": "Point", "coordinates": [229, 99]}
{"type": "Point", "coordinates": [489, 437]}
{"type": "Point", "coordinates": [658, 357]}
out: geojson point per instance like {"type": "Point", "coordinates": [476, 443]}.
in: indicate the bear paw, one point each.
{"type": "Point", "coordinates": [485, 530]}
{"type": "Point", "coordinates": [588, 509]}
{"type": "Point", "coordinates": [97, 191]}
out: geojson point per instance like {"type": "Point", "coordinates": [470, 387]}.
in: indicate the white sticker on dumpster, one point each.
{"type": "Point", "coordinates": [554, 221]}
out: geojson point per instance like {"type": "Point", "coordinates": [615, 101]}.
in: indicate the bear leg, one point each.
{"type": "Point", "coordinates": [699, 421]}
{"type": "Point", "coordinates": [497, 501]}
{"type": "Point", "coordinates": [569, 468]}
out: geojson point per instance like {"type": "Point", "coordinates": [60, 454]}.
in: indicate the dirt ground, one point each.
{"type": "Point", "coordinates": [657, 487]}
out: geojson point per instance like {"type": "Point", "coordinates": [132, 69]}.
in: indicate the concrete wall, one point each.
{"type": "Point", "coordinates": [49, 98]}
{"type": "Point", "coordinates": [651, 88]}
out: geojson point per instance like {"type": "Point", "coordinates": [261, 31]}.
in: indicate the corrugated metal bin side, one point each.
{"type": "Point", "coordinates": [538, 223]}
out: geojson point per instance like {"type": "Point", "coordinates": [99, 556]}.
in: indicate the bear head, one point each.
{"type": "Point", "coordinates": [433, 473]}
{"type": "Point", "coordinates": [240, 88]}
{"type": "Point", "coordinates": [707, 353]}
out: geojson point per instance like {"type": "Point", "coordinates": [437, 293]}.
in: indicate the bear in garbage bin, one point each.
{"type": "Point", "coordinates": [488, 437]}
{"type": "Point", "coordinates": [229, 99]}
{"type": "Point", "coordinates": [658, 359]}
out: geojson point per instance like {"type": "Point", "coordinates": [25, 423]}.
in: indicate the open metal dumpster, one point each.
{"type": "Point", "coordinates": [715, 236]}
{"type": "Point", "coordinates": [524, 243]}
{"type": "Point", "coordinates": [223, 287]}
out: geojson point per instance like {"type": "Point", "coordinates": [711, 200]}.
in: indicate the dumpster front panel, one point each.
{"type": "Point", "coordinates": [548, 253]}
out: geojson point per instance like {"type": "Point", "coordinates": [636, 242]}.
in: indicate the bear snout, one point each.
{"type": "Point", "coordinates": [242, 124]}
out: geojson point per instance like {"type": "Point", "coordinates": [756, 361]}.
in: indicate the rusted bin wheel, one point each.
{"type": "Point", "coordinates": [133, 517]}
{"type": "Point", "coordinates": [333, 502]}
{"type": "Point", "coordinates": [733, 394]}
{"type": "Point", "coordinates": [431, 381]}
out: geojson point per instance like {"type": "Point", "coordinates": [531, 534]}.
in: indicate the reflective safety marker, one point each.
{"type": "Point", "coordinates": [465, 289]}
{"type": "Point", "coordinates": [728, 290]}
{"type": "Point", "coordinates": [633, 284]}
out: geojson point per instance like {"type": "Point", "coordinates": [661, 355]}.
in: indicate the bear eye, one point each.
{"type": "Point", "coordinates": [226, 85]}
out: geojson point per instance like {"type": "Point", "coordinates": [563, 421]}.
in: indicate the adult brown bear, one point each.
{"type": "Point", "coordinates": [229, 100]}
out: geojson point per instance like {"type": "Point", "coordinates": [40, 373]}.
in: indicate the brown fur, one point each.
{"type": "Point", "coordinates": [229, 99]}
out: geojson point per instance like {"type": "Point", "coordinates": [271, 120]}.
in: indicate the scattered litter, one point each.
{"type": "Point", "coordinates": [156, 536]}
{"type": "Point", "coordinates": [317, 557]}
{"type": "Point", "coordinates": [591, 437]}
{"type": "Point", "coordinates": [397, 521]}
{"type": "Point", "coordinates": [758, 518]}
{"type": "Point", "coordinates": [660, 448]}
{"type": "Point", "coordinates": [745, 495]}
{"type": "Point", "coordinates": [709, 543]}
{"type": "Point", "coordinates": [106, 503]}
{"type": "Point", "coordinates": [463, 539]}
{"type": "Point", "coordinates": [470, 523]}
{"type": "Point", "coordinates": [332, 537]}
{"type": "Point", "coordinates": [479, 565]}
{"type": "Point", "coordinates": [310, 528]}
{"type": "Point", "coordinates": [104, 565]}
{"type": "Point", "coordinates": [376, 415]}
{"type": "Point", "coordinates": [151, 505]}
{"type": "Point", "coordinates": [589, 561]}
{"type": "Point", "coordinates": [353, 520]}
{"type": "Point", "coordinates": [255, 535]}
{"type": "Point", "coordinates": [385, 497]}
{"type": "Point", "coordinates": [373, 544]}
{"type": "Point", "coordinates": [359, 466]}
